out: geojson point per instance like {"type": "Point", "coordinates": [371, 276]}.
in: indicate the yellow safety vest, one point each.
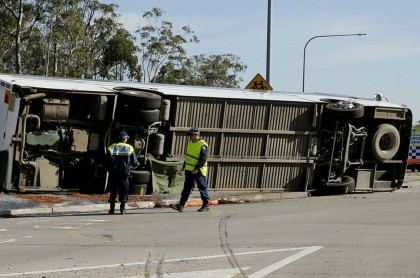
{"type": "Point", "coordinates": [120, 158]}
{"type": "Point", "coordinates": [193, 154]}
{"type": "Point", "coordinates": [121, 149]}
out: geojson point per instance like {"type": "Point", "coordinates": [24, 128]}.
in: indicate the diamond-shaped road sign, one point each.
{"type": "Point", "coordinates": [259, 83]}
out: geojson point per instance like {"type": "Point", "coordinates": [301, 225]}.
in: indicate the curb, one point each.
{"type": "Point", "coordinates": [72, 209]}
{"type": "Point", "coordinates": [234, 199]}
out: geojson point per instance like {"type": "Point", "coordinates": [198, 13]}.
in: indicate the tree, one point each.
{"type": "Point", "coordinates": [215, 70]}
{"type": "Point", "coordinates": [164, 58]}
{"type": "Point", "coordinates": [101, 23]}
{"type": "Point", "coordinates": [58, 37]}
{"type": "Point", "coordinates": [120, 57]}
{"type": "Point", "coordinates": [25, 16]}
{"type": "Point", "coordinates": [78, 36]}
{"type": "Point", "coordinates": [158, 44]}
{"type": "Point", "coordinates": [84, 39]}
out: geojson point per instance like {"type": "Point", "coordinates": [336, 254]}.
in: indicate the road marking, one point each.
{"type": "Point", "coordinates": [220, 273]}
{"type": "Point", "coordinates": [305, 251]}
{"type": "Point", "coordinates": [93, 220]}
{"type": "Point", "coordinates": [271, 268]}
{"type": "Point", "coordinates": [63, 227]}
{"type": "Point", "coordinates": [3, 230]}
{"type": "Point", "coordinates": [7, 241]}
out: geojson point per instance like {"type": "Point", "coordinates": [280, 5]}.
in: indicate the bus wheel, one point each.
{"type": "Point", "coordinates": [347, 185]}
{"type": "Point", "coordinates": [386, 142]}
{"type": "Point", "coordinates": [139, 116]}
{"type": "Point", "coordinates": [139, 100]}
{"type": "Point", "coordinates": [140, 176]}
{"type": "Point", "coordinates": [149, 116]}
{"type": "Point", "coordinates": [345, 110]}
{"type": "Point", "coordinates": [138, 189]}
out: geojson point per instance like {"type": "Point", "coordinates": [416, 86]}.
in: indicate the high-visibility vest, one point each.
{"type": "Point", "coordinates": [120, 157]}
{"type": "Point", "coordinates": [193, 155]}
{"type": "Point", "coordinates": [120, 148]}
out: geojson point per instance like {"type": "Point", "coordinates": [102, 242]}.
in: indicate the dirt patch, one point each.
{"type": "Point", "coordinates": [98, 197]}
{"type": "Point", "coordinates": [45, 199]}
{"type": "Point", "coordinates": [105, 197]}
{"type": "Point", "coordinates": [57, 199]}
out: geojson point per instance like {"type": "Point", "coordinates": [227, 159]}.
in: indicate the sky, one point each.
{"type": "Point", "coordinates": [384, 61]}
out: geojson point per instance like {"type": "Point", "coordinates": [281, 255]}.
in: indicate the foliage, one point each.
{"type": "Point", "coordinates": [84, 39]}
{"type": "Point", "coordinates": [200, 70]}
{"type": "Point", "coordinates": [21, 18]}
{"type": "Point", "coordinates": [159, 44]}
{"type": "Point", "coordinates": [119, 57]}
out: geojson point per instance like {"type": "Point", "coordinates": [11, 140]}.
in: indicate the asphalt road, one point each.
{"type": "Point", "coordinates": [355, 235]}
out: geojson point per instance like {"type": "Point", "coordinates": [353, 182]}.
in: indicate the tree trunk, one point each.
{"type": "Point", "coordinates": [55, 60]}
{"type": "Point", "coordinates": [18, 43]}
{"type": "Point", "coordinates": [48, 51]}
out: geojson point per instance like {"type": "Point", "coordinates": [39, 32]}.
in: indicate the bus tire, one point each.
{"type": "Point", "coordinates": [138, 189]}
{"type": "Point", "coordinates": [339, 113]}
{"type": "Point", "coordinates": [139, 100]}
{"type": "Point", "coordinates": [385, 142]}
{"type": "Point", "coordinates": [139, 116]}
{"type": "Point", "coordinates": [347, 185]}
{"type": "Point", "coordinates": [140, 176]}
{"type": "Point", "coordinates": [149, 116]}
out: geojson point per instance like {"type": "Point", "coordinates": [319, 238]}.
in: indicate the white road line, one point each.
{"type": "Point", "coordinates": [3, 230]}
{"type": "Point", "coordinates": [67, 228]}
{"type": "Point", "coordinates": [93, 220]}
{"type": "Point", "coordinates": [7, 241]}
{"type": "Point", "coordinates": [63, 227]}
{"type": "Point", "coordinates": [271, 268]}
{"type": "Point", "coordinates": [305, 251]}
{"type": "Point", "coordinates": [219, 273]}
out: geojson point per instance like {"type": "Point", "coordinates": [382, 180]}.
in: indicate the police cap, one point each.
{"type": "Point", "coordinates": [194, 130]}
{"type": "Point", "coordinates": [124, 134]}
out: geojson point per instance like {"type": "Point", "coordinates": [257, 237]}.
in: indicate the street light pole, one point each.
{"type": "Point", "coordinates": [304, 52]}
{"type": "Point", "coordinates": [268, 62]}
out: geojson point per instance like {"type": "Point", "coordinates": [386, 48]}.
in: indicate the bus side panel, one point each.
{"type": "Point", "coordinates": [9, 110]}
{"type": "Point", "coordinates": [260, 146]}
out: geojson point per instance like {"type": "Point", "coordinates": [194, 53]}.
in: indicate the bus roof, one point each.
{"type": "Point", "coordinates": [112, 87]}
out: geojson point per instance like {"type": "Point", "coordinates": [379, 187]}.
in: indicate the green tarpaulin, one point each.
{"type": "Point", "coordinates": [165, 177]}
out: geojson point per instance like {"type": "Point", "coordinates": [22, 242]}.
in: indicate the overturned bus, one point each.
{"type": "Point", "coordinates": [54, 134]}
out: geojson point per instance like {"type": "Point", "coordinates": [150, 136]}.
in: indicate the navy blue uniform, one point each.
{"type": "Point", "coordinates": [120, 158]}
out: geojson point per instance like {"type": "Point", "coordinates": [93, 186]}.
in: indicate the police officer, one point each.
{"type": "Point", "coordinates": [119, 160]}
{"type": "Point", "coordinates": [195, 168]}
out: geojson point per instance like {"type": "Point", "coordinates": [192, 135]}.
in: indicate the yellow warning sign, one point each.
{"type": "Point", "coordinates": [259, 83]}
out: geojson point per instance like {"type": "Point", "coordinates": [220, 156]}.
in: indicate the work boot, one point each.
{"type": "Point", "coordinates": [111, 208]}
{"type": "Point", "coordinates": [204, 208]}
{"type": "Point", "coordinates": [122, 208]}
{"type": "Point", "coordinates": [178, 207]}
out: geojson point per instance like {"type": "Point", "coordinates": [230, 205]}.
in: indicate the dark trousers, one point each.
{"type": "Point", "coordinates": [189, 186]}
{"type": "Point", "coordinates": [118, 184]}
